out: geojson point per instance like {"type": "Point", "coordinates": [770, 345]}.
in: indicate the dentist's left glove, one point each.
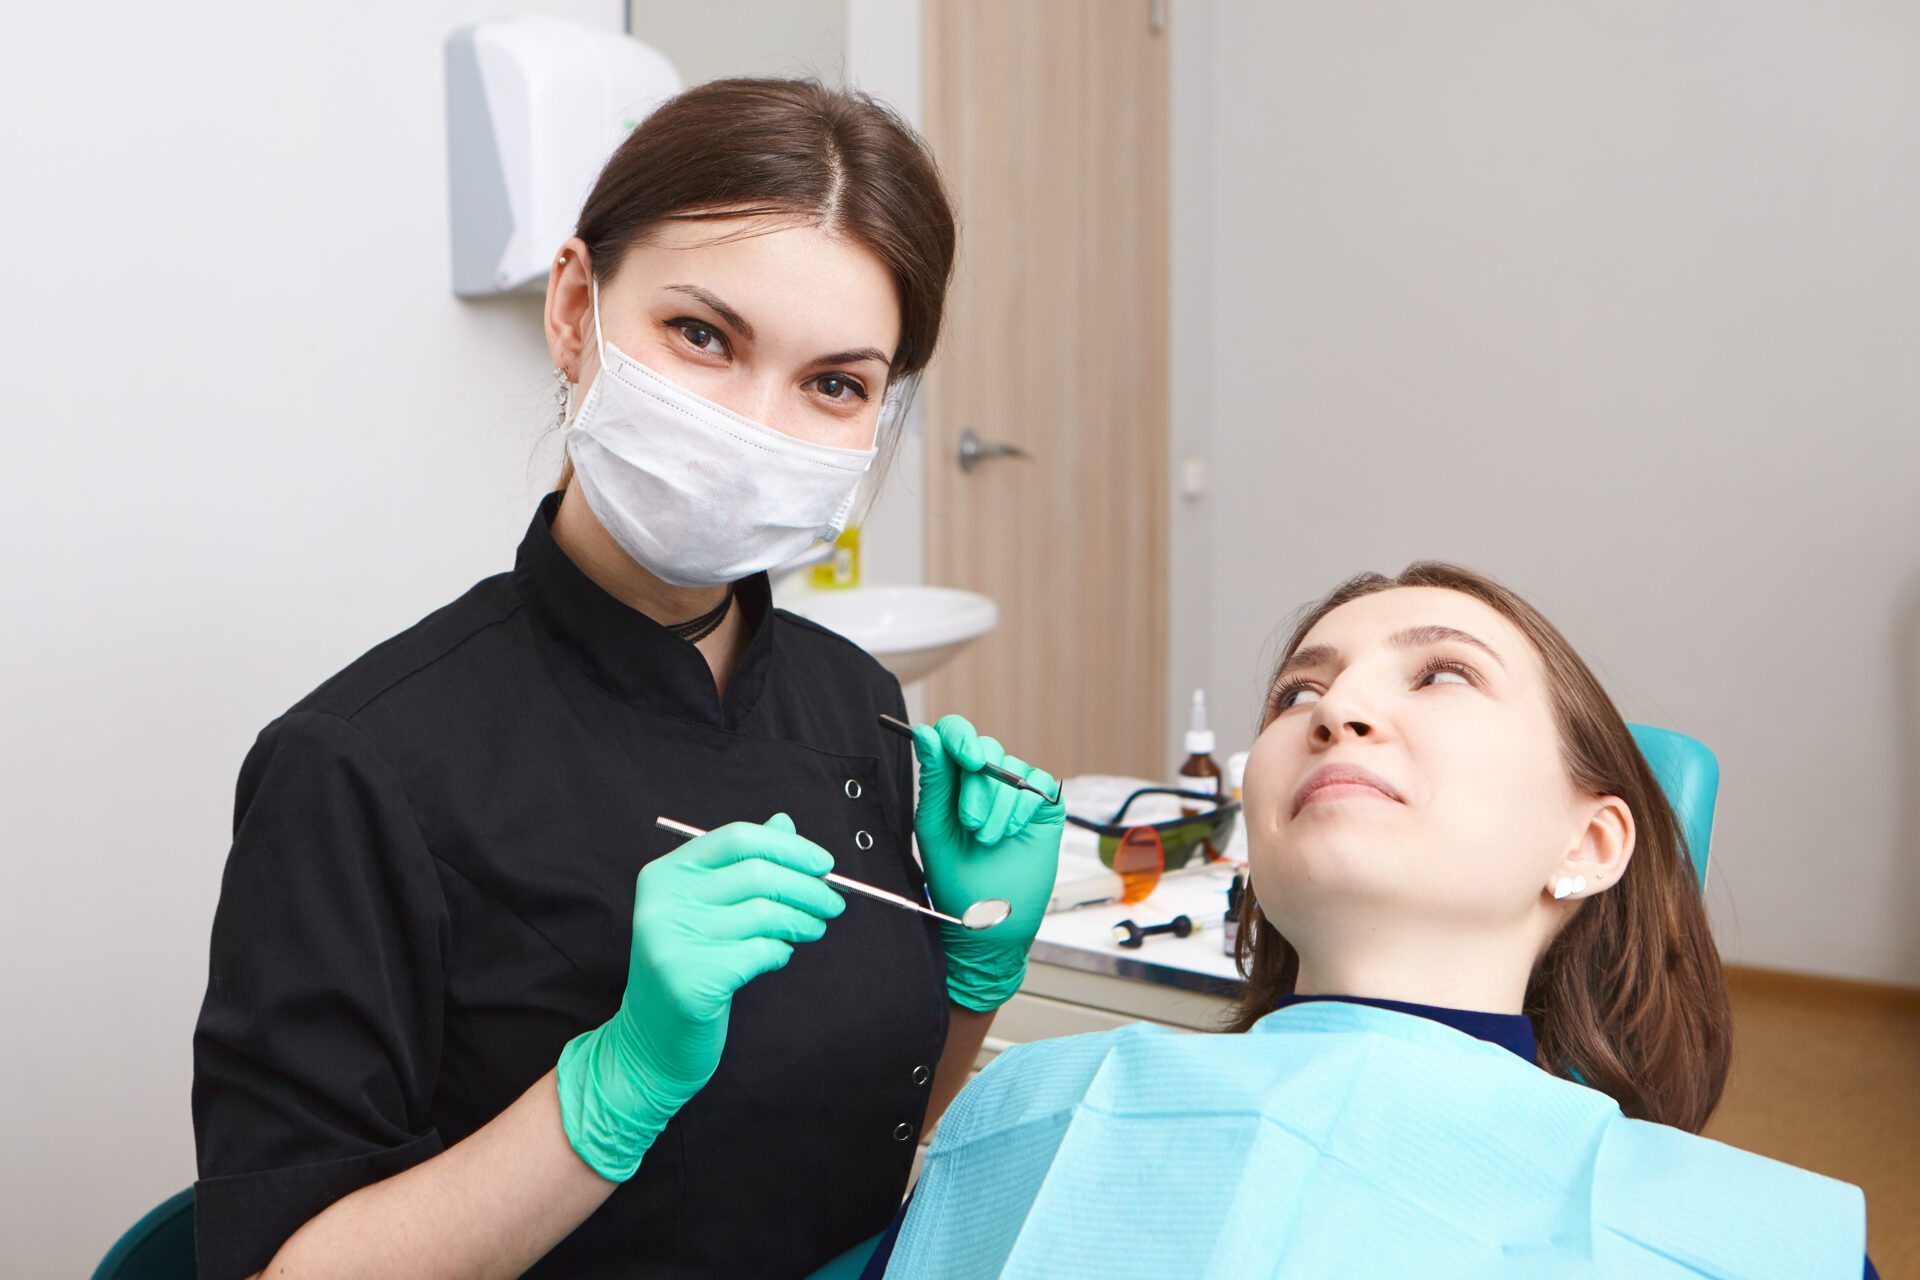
{"type": "Point", "coordinates": [708, 918]}
{"type": "Point", "coordinates": [981, 838]}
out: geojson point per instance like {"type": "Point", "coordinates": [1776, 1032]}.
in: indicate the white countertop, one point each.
{"type": "Point", "coordinates": [1083, 937]}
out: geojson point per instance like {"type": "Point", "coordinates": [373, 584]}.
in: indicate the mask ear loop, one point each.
{"type": "Point", "coordinates": [895, 405]}
{"type": "Point", "coordinates": [572, 397]}
{"type": "Point", "coordinates": [892, 400]}
{"type": "Point", "coordinates": [891, 418]}
{"type": "Point", "coordinates": [599, 336]}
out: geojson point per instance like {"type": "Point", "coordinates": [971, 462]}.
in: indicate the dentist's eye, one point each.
{"type": "Point", "coordinates": [838, 386]}
{"type": "Point", "coordinates": [700, 335]}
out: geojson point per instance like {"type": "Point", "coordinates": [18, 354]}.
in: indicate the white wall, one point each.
{"type": "Point", "coordinates": [883, 59]}
{"type": "Point", "coordinates": [719, 38]}
{"type": "Point", "coordinates": [1619, 302]}
{"type": "Point", "coordinates": [251, 433]}
{"type": "Point", "coordinates": [1190, 377]}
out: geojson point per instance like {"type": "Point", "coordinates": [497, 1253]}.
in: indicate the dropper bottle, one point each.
{"type": "Point", "coordinates": [1200, 772]}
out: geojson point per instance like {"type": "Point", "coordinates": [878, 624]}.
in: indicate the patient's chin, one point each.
{"type": "Point", "coordinates": [1336, 867]}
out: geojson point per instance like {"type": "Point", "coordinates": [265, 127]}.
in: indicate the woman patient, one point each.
{"type": "Point", "coordinates": [1484, 1017]}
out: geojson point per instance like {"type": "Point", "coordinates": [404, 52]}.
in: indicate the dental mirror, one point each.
{"type": "Point", "coordinates": [986, 913]}
{"type": "Point", "coordinates": [983, 914]}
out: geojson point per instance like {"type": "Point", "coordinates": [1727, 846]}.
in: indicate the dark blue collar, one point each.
{"type": "Point", "coordinates": [1511, 1031]}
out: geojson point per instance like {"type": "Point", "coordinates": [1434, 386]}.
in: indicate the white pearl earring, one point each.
{"type": "Point", "coordinates": [1567, 886]}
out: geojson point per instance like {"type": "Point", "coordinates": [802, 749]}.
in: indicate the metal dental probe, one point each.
{"type": "Point", "coordinates": [983, 914]}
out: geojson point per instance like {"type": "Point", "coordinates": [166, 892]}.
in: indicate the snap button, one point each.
{"type": "Point", "coordinates": [861, 840]}
{"type": "Point", "coordinates": [902, 1131]}
{"type": "Point", "coordinates": [853, 788]}
{"type": "Point", "coordinates": [921, 1075]}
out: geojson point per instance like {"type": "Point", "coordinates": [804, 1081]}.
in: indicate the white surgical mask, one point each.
{"type": "Point", "coordinates": [698, 495]}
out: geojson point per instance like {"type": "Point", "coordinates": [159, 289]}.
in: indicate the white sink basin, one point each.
{"type": "Point", "coordinates": [913, 631]}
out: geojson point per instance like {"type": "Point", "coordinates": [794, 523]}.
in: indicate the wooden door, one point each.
{"type": "Point", "coordinates": [1049, 120]}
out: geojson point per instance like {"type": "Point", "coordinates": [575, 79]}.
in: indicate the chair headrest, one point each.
{"type": "Point", "coordinates": [1690, 776]}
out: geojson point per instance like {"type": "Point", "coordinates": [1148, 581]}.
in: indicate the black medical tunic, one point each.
{"type": "Point", "coordinates": [430, 892]}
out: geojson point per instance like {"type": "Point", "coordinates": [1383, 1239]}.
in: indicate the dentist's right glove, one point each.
{"type": "Point", "coordinates": [708, 918]}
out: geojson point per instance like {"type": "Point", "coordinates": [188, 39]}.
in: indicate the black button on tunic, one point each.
{"type": "Point", "coordinates": [430, 891]}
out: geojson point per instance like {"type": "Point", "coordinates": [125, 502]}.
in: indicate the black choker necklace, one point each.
{"type": "Point", "coordinates": [694, 630]}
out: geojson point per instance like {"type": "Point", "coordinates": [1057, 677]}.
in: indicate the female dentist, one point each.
{"type": "Point", "coordinates": [469, 1013]}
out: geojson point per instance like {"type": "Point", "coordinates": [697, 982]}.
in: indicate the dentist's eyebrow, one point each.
{"type": "Point", "coordinates": [1420, 637]}
{"type": "Point", "coordinates": [732, 318]}
{"type": "Point", "coordinates": [854, 356]}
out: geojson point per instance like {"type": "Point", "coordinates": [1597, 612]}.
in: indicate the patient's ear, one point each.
{"type": "Point", "coordinates": [1600, 853]}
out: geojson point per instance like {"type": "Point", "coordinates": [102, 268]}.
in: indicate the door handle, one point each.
{"type": "Point", "coordinates": [974, 450]}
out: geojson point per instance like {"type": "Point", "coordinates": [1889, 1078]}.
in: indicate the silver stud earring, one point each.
{"type": "Point", "coordinates": [562, 393]}
{"type": "Point", "coordinates": [1567, 886]}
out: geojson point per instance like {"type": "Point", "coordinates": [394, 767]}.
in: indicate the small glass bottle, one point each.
{"type": "Point", "coordinates": [1235, 892]}
{"type": "Point", "coordinates": [1200, 772]}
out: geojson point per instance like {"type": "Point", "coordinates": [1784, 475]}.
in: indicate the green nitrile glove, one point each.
{"type": "Point", "coordinates": [980, 838]}
{"type": "Point", "coordinates": [708, 918]}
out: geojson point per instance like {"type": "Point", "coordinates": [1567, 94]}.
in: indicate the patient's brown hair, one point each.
{"type": "Point", "coordinates": [1629, 996]}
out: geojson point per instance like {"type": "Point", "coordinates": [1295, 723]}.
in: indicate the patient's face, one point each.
{"type": "Point", "coordinates": [1409, 772]}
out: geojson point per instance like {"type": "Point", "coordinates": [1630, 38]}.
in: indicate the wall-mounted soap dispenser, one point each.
{"type": "Point", "coordinates": [535, 105]}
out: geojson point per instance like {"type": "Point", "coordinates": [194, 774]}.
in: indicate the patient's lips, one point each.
{"type": "Point", "coordinates": [1341, 782]}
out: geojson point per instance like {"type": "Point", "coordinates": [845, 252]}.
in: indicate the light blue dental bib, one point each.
{"type": "Point", "coordinates": [1340, 1140]}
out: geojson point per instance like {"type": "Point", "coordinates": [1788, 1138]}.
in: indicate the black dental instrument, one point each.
{"type": "Point", "coordinates": [1012, 779]}
{"type": "Point", "coordinates": [1131, 935]}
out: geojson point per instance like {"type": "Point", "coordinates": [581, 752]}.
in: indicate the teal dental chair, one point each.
{"type": "Point", "coordinates": [1690, 776]}
{"type": "Point", "coordinates": [160, 1245]}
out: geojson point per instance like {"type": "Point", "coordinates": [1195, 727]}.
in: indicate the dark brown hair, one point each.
{"type": "Point", "coordinates": [789, 149]}
{"type": "Point", "coordinates": [1629, 997]}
